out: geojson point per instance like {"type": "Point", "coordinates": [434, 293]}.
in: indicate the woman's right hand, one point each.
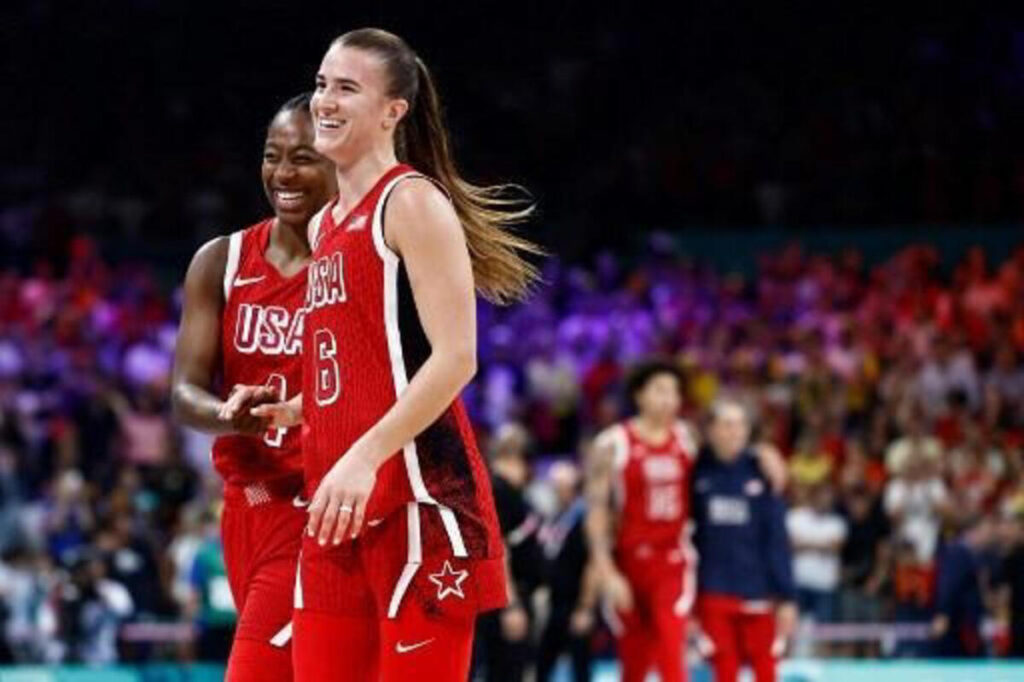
{"type": "Point", "coordinates": [236, 410]}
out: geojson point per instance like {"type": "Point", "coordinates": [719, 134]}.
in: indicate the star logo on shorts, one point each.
{"type": "Point", "coordinates": [449, 581]}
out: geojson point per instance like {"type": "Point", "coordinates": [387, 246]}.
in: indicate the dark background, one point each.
{"type": "Point", "coordinates": [141, 121]}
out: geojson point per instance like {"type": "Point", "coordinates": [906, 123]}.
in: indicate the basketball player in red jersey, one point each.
{"type": "Point", "coordinates": [637, 499]}
{"type": "Point", "coordinates": [242, 324]}
{"type": "Point", "coordinates": [403, 546]}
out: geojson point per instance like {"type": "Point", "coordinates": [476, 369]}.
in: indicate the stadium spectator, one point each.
{"type": "Point", "coordinates": [134, 562]}
{"type": "Point", "coordinates": [817, 534]}
{"type": "Point", "coordinates": [503, 643]}
{"type": "Point", "coordinates": [960, 593]}
{"type": "Point", "coordinates": [865, 556]}
{"type": "Point", "coordinates": [69, 518]}
{"type": "Point", "coordinates": [916, 500]}
{"type": "Point", "coordinates": [913, 596]}
{"type": "Point", "coordinates": [25, 584]}
{"type": "Point", "coordinates": [90, 607]}
{"type": "Point", "coordinates": [915, 439]}
{"type": "Point", "coordinates": [212, 607]}
{"type": "Point", "coordinates": [11, 533]}
{"type": "Point", "coordinates": [1010, 576]}
{"type": "Point", "coordinates": [811, 465]}
{"type": "Point", "coordinates": [145, 427]}
{"type": "Point", "coordinates": [947, 370]}
{"type": "Point", "coordinates": [1005, 381]}
{"type": "Point", "coordinates": [572, 592]}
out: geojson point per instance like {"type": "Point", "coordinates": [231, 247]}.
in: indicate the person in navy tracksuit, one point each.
{"type": "Point", "coordinates": [959, 599]}
{"type": "Point", "coordinates": [744, 573]}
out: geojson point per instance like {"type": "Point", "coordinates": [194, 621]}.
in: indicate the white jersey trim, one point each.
{"type": "Point", "coordinates": [400, 376]}
{"type": "Point", "coordinates": [383, 250]}
{"type": "Point", "coordinates": [413, 561]}
{"type": "Point", "coordinates": [231, 266]}
{"type": "Point", "coordinates": [283, 636]}
{"type": "Point", "coordinates": [299, 600]}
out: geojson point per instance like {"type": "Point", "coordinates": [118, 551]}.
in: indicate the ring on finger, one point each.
{"type": "Point", "coordinates": [345, 509]}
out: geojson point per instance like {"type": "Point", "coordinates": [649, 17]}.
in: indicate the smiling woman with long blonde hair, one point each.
{"type": "Point", "coordinates": [403, 548]}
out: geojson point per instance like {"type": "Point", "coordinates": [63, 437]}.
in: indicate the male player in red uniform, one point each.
{"type": "Point", "coordinates": [242, 324]}
{"type": "Point", "coordinates": [404, 547]}
{"type": "Point", "coordinates": [637, 486]}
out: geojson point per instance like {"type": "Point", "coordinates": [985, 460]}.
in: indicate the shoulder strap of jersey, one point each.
{"type": "Point", "coordinates": [234, 258]}
{"type": "Point", "coordinates": [313, 229]}
{"type": "Point", "coordinates": [383, 250]}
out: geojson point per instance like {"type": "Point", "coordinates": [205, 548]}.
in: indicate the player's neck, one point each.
{"type": "Point", "coordinates": [651, 429]}
{"type": "Point", "coordinates": [289, 240]}
{"type": "Point", "coordinates": [358, 178]}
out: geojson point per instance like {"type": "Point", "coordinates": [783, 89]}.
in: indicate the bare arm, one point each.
{"type": "Point", "coordinates": [421, 226]}
{"type": "Point", "coordinates": [589, 589]}
{"type": "Point", "coordinates": [598, 491]}
{"type": "Point", "coordinates": [606, 577]}
{"type": "Point", "coordinates": [197, 355]}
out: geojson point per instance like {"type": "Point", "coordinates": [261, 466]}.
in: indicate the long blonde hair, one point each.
{"type": "Point", "coordinates": [500, 271]}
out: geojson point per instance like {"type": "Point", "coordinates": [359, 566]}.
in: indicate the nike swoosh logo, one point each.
{"type": "Point", "coordinates": [239, 282]}
{"type": "Point", "coordinates": [406, 648]}
{"type": "Point", "coordinates": [374, 522]}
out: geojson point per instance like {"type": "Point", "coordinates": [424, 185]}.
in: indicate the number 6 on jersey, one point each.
{"type": "Point", "coordinates": [328, 375]}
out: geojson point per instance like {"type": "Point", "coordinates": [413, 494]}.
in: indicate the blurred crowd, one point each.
{"type": "Point", "coordinates": [714, 119]}
{"type": "Point", "coordinates": [896, 391]}
{"type": "Point", "coordinates": [104, 503]}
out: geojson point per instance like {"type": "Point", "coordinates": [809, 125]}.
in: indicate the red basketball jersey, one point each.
{"type": "Point", "coordinates": [364, 343]}
{"type": "Point", "coordinates": [652, 488]}
{"type": "Point", "coordinates": [261, 343]}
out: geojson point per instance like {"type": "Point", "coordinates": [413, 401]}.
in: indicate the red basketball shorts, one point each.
{"type": "Point", "coordinates": [738, 632]}
{"type": "Point", "coordinates": [397, 604]}
{"type": "Point", "coordinates": [652, 636]}
{"type": "Point", "coordinates": [262, 534]}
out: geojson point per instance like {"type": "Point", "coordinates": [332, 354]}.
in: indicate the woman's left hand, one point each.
{"type": "Point", "coordinates": [339, 504]}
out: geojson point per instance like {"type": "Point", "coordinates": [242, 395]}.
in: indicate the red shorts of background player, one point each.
{"type": "Point", "coordinates": [262, 534]}
{"type": "Point", "coordinates": [653, 634]}
{"type": "Point", "coordinates": [738, 632]}
{"type": "Point", "coordinates": [392, 606]}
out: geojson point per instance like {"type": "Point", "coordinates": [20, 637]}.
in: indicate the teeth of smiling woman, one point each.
{"type": "Point", "coordinates": [289, 199]}
{"type": "Point", "coordinates": [330, 124]}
